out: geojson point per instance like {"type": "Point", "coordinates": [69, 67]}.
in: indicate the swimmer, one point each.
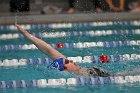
{"type": "Point", "coordinates": [60, 62]}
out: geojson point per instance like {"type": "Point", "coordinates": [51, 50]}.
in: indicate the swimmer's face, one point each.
{"type": "Point", "coordinates": [70, 65]}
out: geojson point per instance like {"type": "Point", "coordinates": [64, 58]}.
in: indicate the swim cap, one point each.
{"type": "Point", "coordinates": [57, 64]}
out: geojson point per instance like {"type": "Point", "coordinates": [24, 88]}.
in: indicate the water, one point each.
{"type": "Point", "coordinates": [38, 71]}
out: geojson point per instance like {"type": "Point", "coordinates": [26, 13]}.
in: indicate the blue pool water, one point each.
{"type": "Point", "coordinates": [121, 31]}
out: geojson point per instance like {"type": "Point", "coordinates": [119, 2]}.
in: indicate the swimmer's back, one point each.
{"type": "Point", "coordinates": [91, 72]}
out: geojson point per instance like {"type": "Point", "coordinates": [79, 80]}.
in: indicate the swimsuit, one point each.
{"type": "Point", "coordinates": [57, 64]}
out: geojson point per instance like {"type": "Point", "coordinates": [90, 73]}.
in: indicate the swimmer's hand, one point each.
{"type": "Point", "coordinates": [20, 29]}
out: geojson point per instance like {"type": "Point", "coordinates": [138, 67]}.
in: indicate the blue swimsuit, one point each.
{"type": "Point", "coordinates": [57, 64]}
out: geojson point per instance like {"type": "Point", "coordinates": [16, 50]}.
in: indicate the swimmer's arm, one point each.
{"type": "Point", "coordinates": [41, 45]}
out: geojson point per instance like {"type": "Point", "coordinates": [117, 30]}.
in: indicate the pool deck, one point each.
{"type": "Point", "coordinates": [65, 18]}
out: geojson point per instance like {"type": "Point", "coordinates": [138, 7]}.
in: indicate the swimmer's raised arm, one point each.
{"type": "Point", "coordinates": [41, 45]}
{"type": "Point", "coordinates": [60, 62]}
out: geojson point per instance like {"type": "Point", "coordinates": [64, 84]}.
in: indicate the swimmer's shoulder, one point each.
{"type": "Point", "coordinates": [81, 72]}
{"type": "Point", "coordinates": [92, 72]}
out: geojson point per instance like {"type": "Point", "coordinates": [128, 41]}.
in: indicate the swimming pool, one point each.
{"type": "Point", "coordinates": [22, 66]}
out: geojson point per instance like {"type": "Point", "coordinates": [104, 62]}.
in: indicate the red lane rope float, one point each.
{"type": "Point", "coordinates": [59, 45]}
{"type": "Point", "coordinates": [104, 58]}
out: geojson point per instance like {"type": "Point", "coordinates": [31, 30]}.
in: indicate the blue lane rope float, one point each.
{"type": "Point", "coordinates": [74, 45]}
{"type": "Point", "coordinates": [69, 82]}
{"type": "Point", "coordinates": [86, 59]}
{"type": "Point", "coordinates": [73, 33]}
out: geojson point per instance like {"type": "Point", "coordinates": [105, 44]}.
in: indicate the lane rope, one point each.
{"type": "Point", "coordinates": [74, 45]}
{"type": "Point", "coordinates": [73, 25]}
{"type": "Point", "coordinates": [41, 83]}
{"type": "Point", "coordinates": [78, 59]}
{"type": "Point", "coordinates": [73, 33]}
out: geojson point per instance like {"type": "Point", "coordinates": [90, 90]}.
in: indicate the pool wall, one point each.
{"type": "Point", "coordinates": [57, 18]}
